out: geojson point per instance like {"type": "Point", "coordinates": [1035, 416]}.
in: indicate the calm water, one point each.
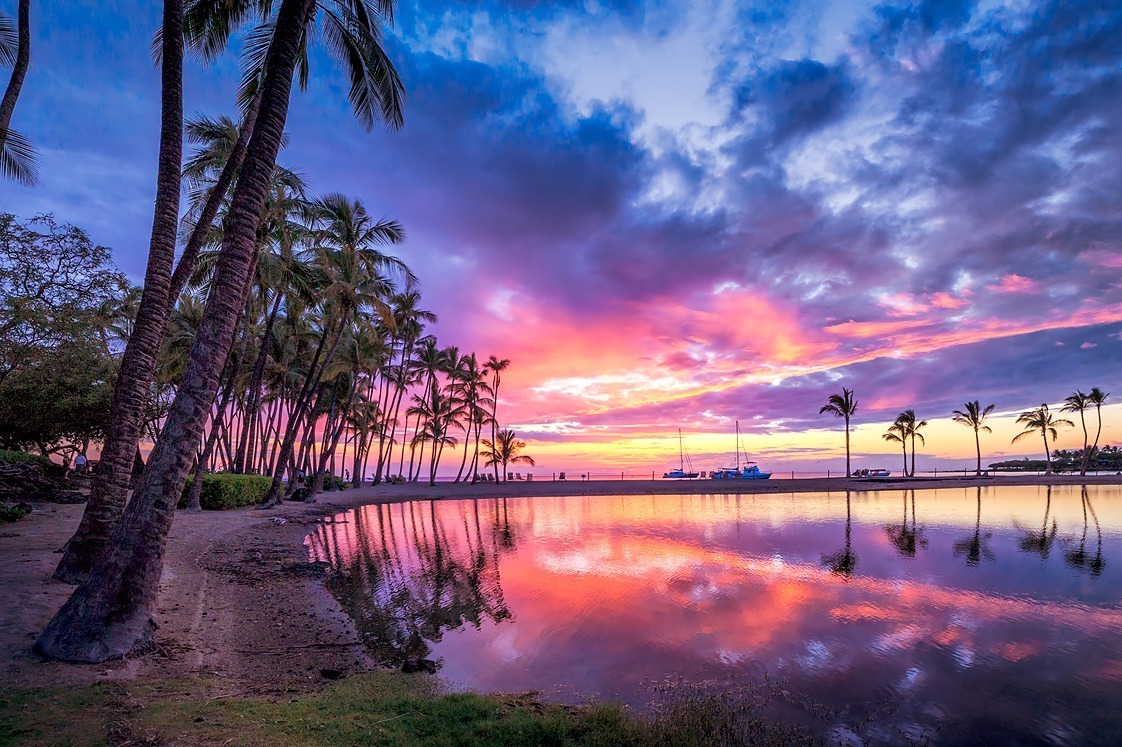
{"type": "Point", "coordinates": [987, 615]}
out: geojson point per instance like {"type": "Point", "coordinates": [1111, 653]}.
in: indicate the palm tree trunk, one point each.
{"type": "Point", "coordinates": [978, 446]}
{"type": "Point", "coordinates": [113, 610]}
{"type": "Point", "coordinates": [913, 456]}
{"type": "Point", "coordinates": [847, 466]}
{"type": "Point", "coordinates": [1098, 432]}
{"type": "Point", "coordinates": [495, 421]}
{"type": "Point", "coordinates": [904, 443]}
{"type": "Point", "coordinates": [110, 485]}
{"type": "Point", "coordinates": [1047, 453]}
{"type": "Point", "coordinates": [19, 72]}
{"type": "Point", "coordinates": [311, 384]}
{"type": "Point", "coordinates": [1085, 454]}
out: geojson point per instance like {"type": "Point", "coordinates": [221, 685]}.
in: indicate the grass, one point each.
{"type": "Point", "coordinates": [376, 708]}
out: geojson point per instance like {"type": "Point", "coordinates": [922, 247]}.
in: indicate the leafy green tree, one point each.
{"type": "Point", "coordinates": [1042, 421]}
{"type": "Point", "coordinates": [58, 402]}
{"type": "Point", "coordinates": [54, 283]}
{"type": "Point", "coordinates": [974, 417]}
{"type": "Point", "coordinates": [842, 405]}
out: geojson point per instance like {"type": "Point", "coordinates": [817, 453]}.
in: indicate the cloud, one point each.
{"type": "Point", "coordinates": [1014, 283]}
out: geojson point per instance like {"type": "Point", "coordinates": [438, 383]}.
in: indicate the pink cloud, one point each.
{"type": "Point", "coordinates": [946, 300]}
{"type": "Point", "coordinates": [1014, 283]}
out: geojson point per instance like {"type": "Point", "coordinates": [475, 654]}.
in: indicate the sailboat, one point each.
{"type": "Point", "coordinates": [680, 473]}
{"type": "Point", "coordinates": [751, 470]}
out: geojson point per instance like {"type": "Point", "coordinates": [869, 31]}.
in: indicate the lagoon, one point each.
{"type": "Point", "coordinates": [977, 615]}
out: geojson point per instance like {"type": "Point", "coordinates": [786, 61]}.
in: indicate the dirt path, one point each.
{"type": "Point", "coordinates": [240, 605]}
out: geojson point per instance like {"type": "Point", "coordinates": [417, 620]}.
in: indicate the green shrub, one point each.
{"type": "Point", "coordinates": [12, 513]}
{"type": "Point", "coordinates": [14, 457]}
{"type": "Point", "coordinates": [224, 490]}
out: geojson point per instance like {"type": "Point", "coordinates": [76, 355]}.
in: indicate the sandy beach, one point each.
{"type": "Point", "coordinates": [241, 606]}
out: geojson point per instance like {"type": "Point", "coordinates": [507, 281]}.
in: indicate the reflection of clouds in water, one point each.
{"type": "Point", "coordinates": [897, 640]}
{"type": "Point", "coordinates": [817, 656]}
{"type": "Point", "coordinates": [912, 680]}
{"type": "Point", "coordinates": [964, 657]}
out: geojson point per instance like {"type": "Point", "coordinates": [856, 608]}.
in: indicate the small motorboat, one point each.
{"type": "Point", "coordinates": [872, 472]}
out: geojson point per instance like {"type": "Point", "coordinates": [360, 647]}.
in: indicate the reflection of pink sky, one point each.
{"type": "Point", "coordinates": [609, 592]}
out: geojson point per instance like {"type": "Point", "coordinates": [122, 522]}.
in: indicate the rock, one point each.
{"type": "Point", "coordinates": [34, 481]}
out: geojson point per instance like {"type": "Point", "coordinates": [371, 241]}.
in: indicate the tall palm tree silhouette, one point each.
{"type": "Point", "coordinates": [974, 417]}
{"type": "Point", "coordinates": [842, 405]}
{"type": "Point", "coordinates": [1077, 402]}
{"type": "Point", "coordinates": [1041, 421]}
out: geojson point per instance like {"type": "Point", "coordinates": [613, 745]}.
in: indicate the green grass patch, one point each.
{"type": "Point", "coordinates": [14, 457]}
{"type": "Point", "coordinates": [224, 490]}
{"type": "Point", "coordinates": [378, 708]}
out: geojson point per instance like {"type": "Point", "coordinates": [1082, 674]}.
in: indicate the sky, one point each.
{"type": "Point", "coordinates": [687, 214]}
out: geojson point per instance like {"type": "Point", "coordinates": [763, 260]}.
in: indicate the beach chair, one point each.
{"type": "Point", "coordinates": [518, 476]}
{"type": "Point", "coordinates": [529, 477]}
{"type": "Point", "coordinates": [561, 476]}
{"type": "Point", "coordinates": [509, 475]}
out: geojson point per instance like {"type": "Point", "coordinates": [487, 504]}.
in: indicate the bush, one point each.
{"type": "Point", "coordinates": [15, 457]}
{"type": "Point", "coordinates": [224, 490]}
{"type": "Point", "coordinates": [13, 513]}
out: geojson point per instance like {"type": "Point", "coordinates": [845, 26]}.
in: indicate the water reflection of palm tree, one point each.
{"type": "Point", "coordinates": [906, 539]}
{"type": "Point", "coordinates": [409, 579]}
{"type": "Point", "coordinates": [975, 547]}
{"type": "Point", "coordinates": [1078, 558]}
{"type": "Point", "coordinates": [844, 561]}
{"type": "Point", "coordinates": [1040, 543]}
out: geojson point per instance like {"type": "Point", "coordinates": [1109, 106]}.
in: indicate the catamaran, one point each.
{"type": "Point", "coordinates": [750, 471]}
{"type": "Point", "coordinates": [680, 473]}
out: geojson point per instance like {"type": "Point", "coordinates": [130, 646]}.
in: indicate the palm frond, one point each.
{"type": "Point", "coordinates": [18, 159]}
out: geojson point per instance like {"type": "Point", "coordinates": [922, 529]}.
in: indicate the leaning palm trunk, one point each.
{"type": "Point", "coordinates": [273, 497]}
{"type": "Point", "coordinates": [110, 485]}
{"type": "Point", "coordinates": [112, 612]}
{"type": "Point", "coordinates": [138, 364]}
{"type": "Point", "coordinates": [19, 72]}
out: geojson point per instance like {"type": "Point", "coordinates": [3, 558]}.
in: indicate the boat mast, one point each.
{"type": "Point", "coordinates": [738, 446]}
{"type": "Point", "coordinates": [681, 453]}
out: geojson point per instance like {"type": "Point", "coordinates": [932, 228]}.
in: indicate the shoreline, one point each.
{"type": "Point", "coordinates": [242, 608]}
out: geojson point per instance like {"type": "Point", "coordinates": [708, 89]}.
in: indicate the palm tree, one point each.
{"type": "Point", "coordinates": [113, 610]}
{"type": "Point", "coordinates": [907, 539]}
{"type": "Point", "coordinates": [974, 416]}
{"type": "Point", "coordinates": [17, 157]}
{"type": "Point", "coordinates": [842, 405]}
{"type": "Point", "coordinates": [138, 363]}
{"type": "Point", "coordinates": [1096, 397]}
{"type": "Point", "coordinates": [1041, 420]}
{"type": "Point", "coordinates": [1041, 542]}
{"type": "Point", "coordinates": [1078, 558]}
{"type": "Point", "coordinates": [1077, 402]}
{"type": "Point", "coordinates": [897, 433]}
{"type": "Point", "coordinates": [504, 451]}
{"type": "Point", "coordinates": [496, 366]}
{"type": "Point", "coordinates": [912, 428]}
